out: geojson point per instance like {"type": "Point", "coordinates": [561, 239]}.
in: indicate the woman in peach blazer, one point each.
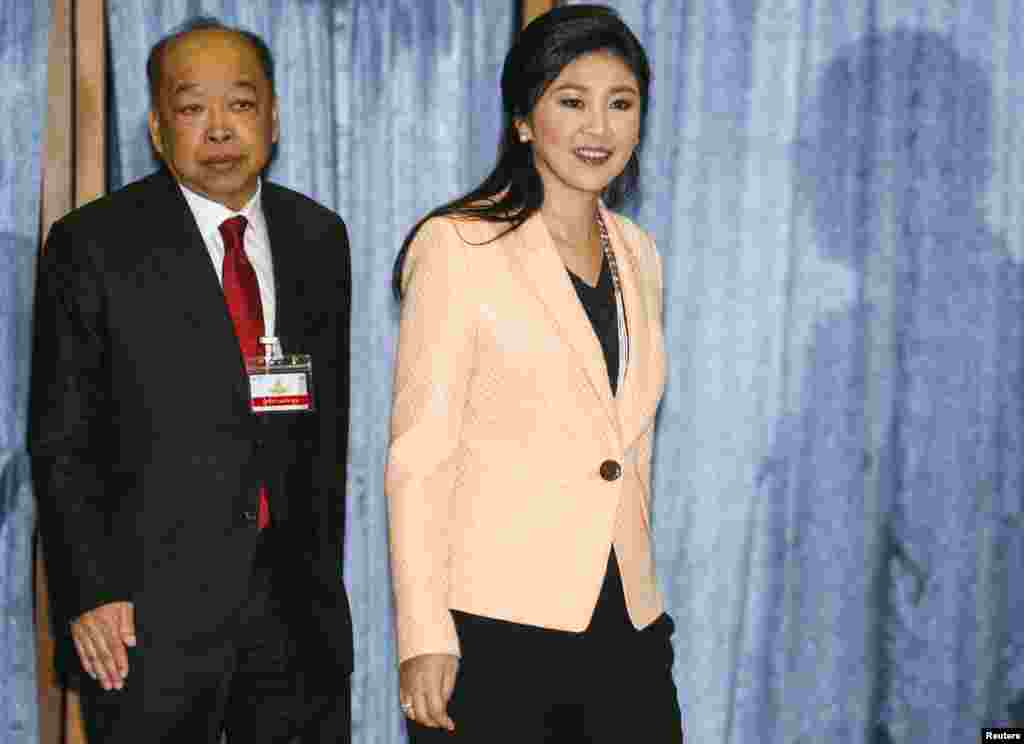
{"type": "Point", "coordinates": [530, 367]}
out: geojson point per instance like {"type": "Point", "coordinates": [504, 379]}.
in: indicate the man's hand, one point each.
{"type": "Point", "coordinates": [426, 683]}
{"type": "Point", "coordinates": [101, 637]}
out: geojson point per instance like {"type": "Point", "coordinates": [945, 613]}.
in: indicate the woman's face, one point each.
{"type": "Point", "coordinates": [586, 125]}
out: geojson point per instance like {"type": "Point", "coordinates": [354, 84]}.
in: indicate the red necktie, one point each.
{"type": "Point", "coordinates": [242, 294]}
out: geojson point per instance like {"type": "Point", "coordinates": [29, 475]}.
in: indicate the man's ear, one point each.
{"type": "Point", "coordinates": [154, 133]}
{"type": "Point", "coordinates": [275, 123]}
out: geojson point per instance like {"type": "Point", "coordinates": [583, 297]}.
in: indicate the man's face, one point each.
{"type": "Point", "coordinates": [215, 118]}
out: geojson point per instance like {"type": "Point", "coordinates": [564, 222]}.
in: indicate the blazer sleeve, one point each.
{"type": "Point", "coordinates": [433, 371]}
{"type": "Point", "coordinates": [69, 411]}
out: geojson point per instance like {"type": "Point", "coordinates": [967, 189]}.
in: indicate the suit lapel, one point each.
{"type": "Point", "coordinates": [551, 283]}
{"type": "Point", "coordinates": [288, 280]}
{"type": "Point", "coordinates": [184, 259]}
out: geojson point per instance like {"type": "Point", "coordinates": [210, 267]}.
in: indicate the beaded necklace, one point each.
{"type": "Point", "coordinates": [620, 308]}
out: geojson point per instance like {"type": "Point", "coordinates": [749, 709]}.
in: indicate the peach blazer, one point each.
{"type": "Point", "coordinates": [502, 419]}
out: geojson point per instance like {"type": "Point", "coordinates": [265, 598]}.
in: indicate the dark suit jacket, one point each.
{"type": "Point", "coordinates": [146, 458]}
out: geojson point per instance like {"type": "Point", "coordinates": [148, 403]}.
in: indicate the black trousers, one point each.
{"type": "Point", "coordinates": [528, 685]}
{"type": "Point", "coordinates": [254, 689]}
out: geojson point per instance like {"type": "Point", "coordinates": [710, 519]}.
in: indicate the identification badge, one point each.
{"type": "Point", "coordinates": [281, 383]}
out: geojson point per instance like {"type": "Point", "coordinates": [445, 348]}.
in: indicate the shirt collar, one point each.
{"type": "Point", "coordinates": [210, 214]}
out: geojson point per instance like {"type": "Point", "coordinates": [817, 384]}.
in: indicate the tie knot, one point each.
{"type": "Point", "coordinates": [232, 230]}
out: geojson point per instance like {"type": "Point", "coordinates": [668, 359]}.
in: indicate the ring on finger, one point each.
{"type": "Point", "coordinates": [407, 706]}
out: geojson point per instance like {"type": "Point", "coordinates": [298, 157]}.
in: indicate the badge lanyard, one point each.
{"type": "Point", "coordinates": [609, 255]}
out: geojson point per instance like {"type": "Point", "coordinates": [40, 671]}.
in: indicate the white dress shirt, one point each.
{"type": "Point", "coordinates": [209, 216]}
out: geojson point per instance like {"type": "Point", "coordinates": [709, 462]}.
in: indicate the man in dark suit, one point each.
{"type": "Point", "coordinates": [194, 545]}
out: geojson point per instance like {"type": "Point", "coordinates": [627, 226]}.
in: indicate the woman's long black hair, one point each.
{"type": "Point", "coordinates": [513, 191]}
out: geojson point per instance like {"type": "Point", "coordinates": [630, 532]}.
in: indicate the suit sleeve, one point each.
{"type": "Point", "coordinates": [343, 363]}
{"type": "Point", "coordinates": [433, 369]}
{"type": "Point", "coordinates": [69, 433]}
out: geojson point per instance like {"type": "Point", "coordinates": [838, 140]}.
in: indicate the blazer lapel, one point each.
{"type": "Point", "coordinates": [551, 283]}
{"type": "Point", "coordinates": [637, 401]}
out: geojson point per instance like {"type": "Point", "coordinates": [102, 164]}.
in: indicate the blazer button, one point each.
{"type": "Point", "coordinates": [610, 470]}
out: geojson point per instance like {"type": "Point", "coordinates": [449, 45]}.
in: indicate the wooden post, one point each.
{"type": "Point", "coordinates": [534, 8]}
{"type": "Point", "coordinates": [90, 101]}
{"type": "Point", "coordinates": [57, 200]}
{"type": "Point", "coordinates": [59, 150]}
{"type": "Point", "coordinates": [74, 172]}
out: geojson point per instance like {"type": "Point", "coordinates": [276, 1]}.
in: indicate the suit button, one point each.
{"type": "Point", "coordinates": [610, 470]}
{"type": "Point", "coordinates": [258, 444]}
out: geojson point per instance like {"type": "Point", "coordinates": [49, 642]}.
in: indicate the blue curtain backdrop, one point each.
{"type": "Point", "coordinates": [838, 469]}
{"type": "Point", "coordinates": [23, 50]}
{"type": "Point", "coordinates": [388, 107]}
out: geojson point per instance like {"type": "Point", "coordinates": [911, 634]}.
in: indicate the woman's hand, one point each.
{"type": "Point", "coordinates": [425, 687]}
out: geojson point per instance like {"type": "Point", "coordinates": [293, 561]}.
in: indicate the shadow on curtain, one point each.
{"type": "Point", "coordinates": [890, 598]}
{"type": "Point", "coordinates": [23, 51]}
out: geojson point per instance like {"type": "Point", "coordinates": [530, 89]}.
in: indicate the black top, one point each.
{"type": "Point", "coordinates": [599, 302]}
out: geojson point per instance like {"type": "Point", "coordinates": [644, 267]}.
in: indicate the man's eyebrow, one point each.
{"type": "Point", "coordinates": [185, 88]}
{"type": "Point", "coordinates": [190, 87]}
